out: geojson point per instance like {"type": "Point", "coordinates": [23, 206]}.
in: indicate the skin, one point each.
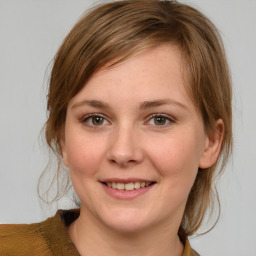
{"type": "Point", "coordinates": [128, 142]}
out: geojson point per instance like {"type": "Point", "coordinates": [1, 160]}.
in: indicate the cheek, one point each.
{"type": "Point", "coordinates": [84, 158]}
{"type": "Point", "coordinates": [83, 155]}
{"type": "Point", "coordinates": [176, 159]}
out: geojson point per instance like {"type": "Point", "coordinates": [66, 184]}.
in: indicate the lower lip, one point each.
{"type": "Point", "coordinates": [126, 194]}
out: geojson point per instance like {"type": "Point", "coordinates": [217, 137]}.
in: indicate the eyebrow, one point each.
{"type": "Point", "coordinates": [142, 106]}
{"type": "Point", "coordinates": [156, 103]}
{"type": "Point", "coordinates": [92, 103]}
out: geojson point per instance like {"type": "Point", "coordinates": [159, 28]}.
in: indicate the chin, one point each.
{"type": "Point", "coordinates": [126, 221]}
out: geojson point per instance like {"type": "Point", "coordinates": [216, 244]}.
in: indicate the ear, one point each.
{"type": "Point", "coordinates": [212, 146]}
{"type": "Point", "coordinates": [63, 150]}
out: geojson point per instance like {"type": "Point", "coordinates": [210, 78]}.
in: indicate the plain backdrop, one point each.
{"type": "Point", "coordinates": [32, 30]}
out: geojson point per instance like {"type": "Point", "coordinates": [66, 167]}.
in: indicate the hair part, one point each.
{"type": "Point", "coordinates": [116, 31]}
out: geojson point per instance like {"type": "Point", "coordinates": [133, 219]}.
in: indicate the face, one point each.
{"type": "Point", "coordinates": [134, 142]}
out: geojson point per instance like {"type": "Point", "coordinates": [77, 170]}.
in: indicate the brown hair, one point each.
{"type": "Point", "coordinates": [118, 30]}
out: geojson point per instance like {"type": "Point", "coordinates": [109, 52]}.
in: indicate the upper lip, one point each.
{"type": "Point", "coordinates": [127, 180]}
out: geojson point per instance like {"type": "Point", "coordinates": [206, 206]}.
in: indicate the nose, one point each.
{"type": "Point", "coordinates": [124, 148]}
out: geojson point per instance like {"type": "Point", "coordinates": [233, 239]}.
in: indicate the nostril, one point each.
{"type": "Point", "coordinates": [123, 163]}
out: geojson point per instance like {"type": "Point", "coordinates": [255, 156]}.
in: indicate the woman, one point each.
{"type": "Point", "coordinates": [140, 113]}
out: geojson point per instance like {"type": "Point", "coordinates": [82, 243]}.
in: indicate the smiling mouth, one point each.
{"type": "Point", "coordinates": [128, 186]}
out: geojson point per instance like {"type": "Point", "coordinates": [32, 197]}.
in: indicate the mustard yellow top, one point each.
{"type": "Point", "coordinates": [47, 238]}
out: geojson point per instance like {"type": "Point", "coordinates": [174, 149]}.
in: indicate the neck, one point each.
{"type": "Point", "coordinates": [92, 238]}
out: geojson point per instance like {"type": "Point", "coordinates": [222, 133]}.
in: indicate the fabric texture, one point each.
{"type": "Point", "coordinates": [47, 238]}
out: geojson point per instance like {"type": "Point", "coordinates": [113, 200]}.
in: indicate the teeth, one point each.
{"type": "Point", "coordinates": [119, 185]}
{"type": "Point", "coordinates": [137, 185]}
{"type": "Point", "coordinates": [114, 185]}
{"type": "Point", "coordinates": [143, 184]}
{"type": "Point", "coordinates": [128, 186]}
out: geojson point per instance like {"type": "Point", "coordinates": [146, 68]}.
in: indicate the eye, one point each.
{"type": "Point", "coordinates": [95, 120]}
{"type": "Point", "coordinates": [160, 120]}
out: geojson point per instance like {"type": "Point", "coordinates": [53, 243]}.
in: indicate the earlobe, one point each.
{"type": "Point", "coordinates": [64, 153]}
{"type": "Point", "coordinates": [212, 146]}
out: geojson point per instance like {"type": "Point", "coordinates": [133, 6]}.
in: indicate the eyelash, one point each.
{"type": "Point", "coordinates": [166, 118]}
{"type": "Point", "coordinates": [90, 116]}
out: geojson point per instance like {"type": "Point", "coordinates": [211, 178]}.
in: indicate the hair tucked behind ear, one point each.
{"type": "Point", "coordinates": [113, 32]}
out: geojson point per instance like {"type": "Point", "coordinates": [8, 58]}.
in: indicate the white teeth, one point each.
{"type": "Point", "coordinates": [114, 185]}
{"type": "Point", "coordinates": [119, 185]}
{"type": "Point", "coordinates": [128, 186]}
{"type": "Point", "coordinates": [137, 185]}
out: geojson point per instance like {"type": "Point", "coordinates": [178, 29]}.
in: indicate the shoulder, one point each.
{"type": "Point", "coordinates": [45, 238]}
{"type": "Point", "coordinates": [22, 239]}
{"type": "Point", "coordinates": [188, 251]}
{"type": "Point", "coordinates": [194, 253]}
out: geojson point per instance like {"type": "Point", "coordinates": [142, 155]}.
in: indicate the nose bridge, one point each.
{"type": "Point", "coordinates": [124, 148]}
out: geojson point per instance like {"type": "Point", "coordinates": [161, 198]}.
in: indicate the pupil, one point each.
{"type": "Point", "coordinates": [160, 120]}
{"type": "Point", "coordinates": [97, 120]}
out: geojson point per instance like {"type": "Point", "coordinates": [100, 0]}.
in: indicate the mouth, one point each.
{"type": "Point", "coordinates": [127, 189]}
{"type": "Point", "coordinates": [128, 186]}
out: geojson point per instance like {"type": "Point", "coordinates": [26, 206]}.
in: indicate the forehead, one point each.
{"type": "Point", "coordinates": [156, 73]}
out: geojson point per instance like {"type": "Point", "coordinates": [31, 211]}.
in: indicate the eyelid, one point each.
{"type": "Point", "coordinates": [83, 119]}
{"type": "Point", "coordinates": [168, 117]}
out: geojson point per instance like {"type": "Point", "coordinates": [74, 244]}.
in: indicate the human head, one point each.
{"type": "Point", "coordinates": [114, 32]}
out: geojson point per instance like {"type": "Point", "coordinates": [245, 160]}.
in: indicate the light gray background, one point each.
{"type": "Point", "coordinates": [31, 31]}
